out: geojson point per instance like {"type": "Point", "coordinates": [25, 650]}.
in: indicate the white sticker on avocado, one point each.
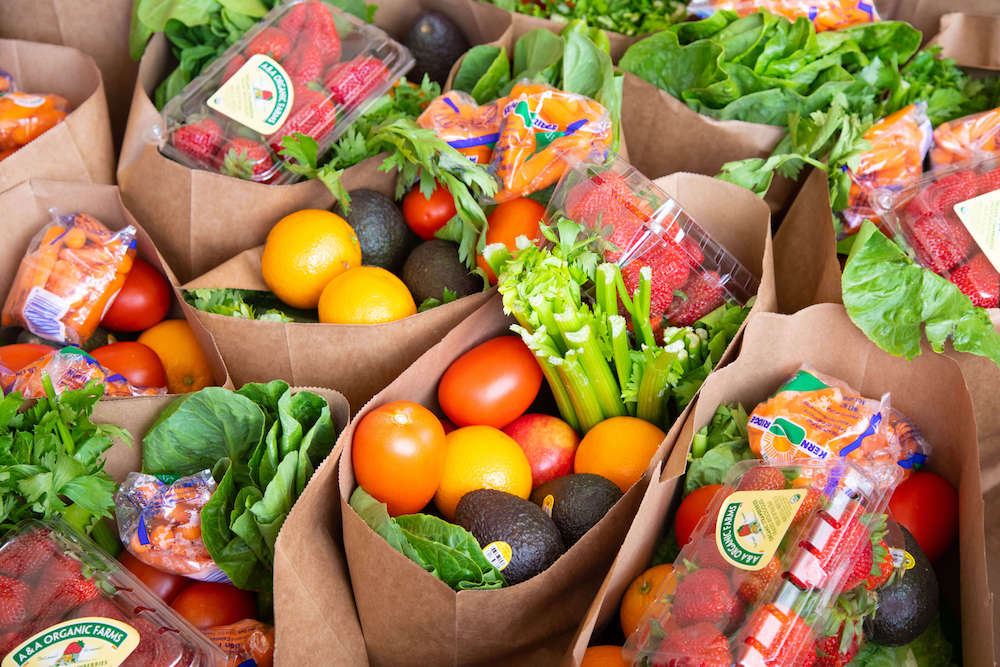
{"type": "Point", "coordinates": [548, 502]}
{"type": "Point", "coordinates": [83, 642]}
{"type": "Point", "coordinates": [498, 554]}
{"type": "Point", "coordinates": [902, 558]}
{"type": "Point", "coordinates": [259, 95]}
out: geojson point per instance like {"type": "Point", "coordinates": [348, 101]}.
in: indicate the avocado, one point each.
{"type": "Point", "coordinates": [497, 516]}
{"type": "Point", "coordinates": [436, 43]}
{"type": "Point", "coordinates": [433, 266]}
{"type": "Point", "coordinates": [578, 502]}
{"type": "Point", "coordinates": [908, 604]}
{"type": "Point", "coordinates": [384, 236]}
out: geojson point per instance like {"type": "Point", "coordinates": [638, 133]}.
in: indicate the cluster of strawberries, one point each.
{"type": "Point", "coordinates": [712, 600]}
{"type": "Point", "coordinates": [42, 584]}
{"type": "Point", "coordinates": [941, 242]}
{"type": "Point", "coordinates": [307, 45]}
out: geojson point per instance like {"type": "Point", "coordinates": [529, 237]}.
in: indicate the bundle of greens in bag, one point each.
{"type": "Point", "coordinates": [262, 444]}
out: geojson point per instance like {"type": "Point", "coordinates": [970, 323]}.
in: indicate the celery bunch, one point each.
{"type": "Point", "coordinates": [566, 302]}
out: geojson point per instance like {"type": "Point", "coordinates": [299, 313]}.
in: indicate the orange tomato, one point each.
{"type": "Point", "coordinates": [641, 593]}
{"type": "Point", "coordinates": [692, 509]}
{"type": "Point", "coordinates": [208, 604]}
{"type": "Point", "coordinates": [517, 217]}
{"type": "Point", "coordinates": [398, 454]}
{"type": "Point", "coordinates": [603, 656]}
{"type": "Point", "coordinates": [186, 365]}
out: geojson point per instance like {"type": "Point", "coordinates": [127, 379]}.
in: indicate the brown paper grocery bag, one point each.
{"type": "Point", "coordinates": [99, 28]}
{"type": "Point", "coordinates": [929, 390]}
{"type": "Point", "coordinates": [971, 39]}
{"type": "Point", "coordinates": [925, 15]}
{"type": "Point", "coordinates": [26, 210]}
{"type": "Point", "coordinates": [77, 149]}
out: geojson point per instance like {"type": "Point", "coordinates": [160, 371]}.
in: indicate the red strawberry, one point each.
{"type": "Point", "coordinates": [13, 601]}
{"type": "Point", "coordinates": [199, 141]}
{"type": "Point", "coordinates": [781, 638]}
{"type": "Point", "coordinates": [702, 293]}
{"type": "Point", "coordinates": [64, 587]}
{"type": "Point", "coordinates": [102, 607]}
{"type": "Point", "coordinates": [978, 280]}
{"type": "Point", "coordinates": [988, 182]}
{"type": "Point", "coordinates": [706, 554]}
{"type": "Point", "coordinates": [157, 647]}
{"type": "Point", "coordinates": [26, 553]}
{"type": "Point", "coordinates": [270, 41]}
{"type": "Point", "coordinates": [233, 66]}
{"type": "Point", "coordinates": [812, 502]}
{"type": "Point", "coordinates": [607, 200]}
{"type": "Point", "coordinates": [706, 595]}
{"type": "Point", "coordinates": [952, 189]}
{"type": "Point", "coordinates": [10, 639]}
{"type": "Point", "coordinates": [321, 30]}
{"type": "Point", "coordinates": [763, 478]}
{"type": "Point", "coordinates": [247, 159]}
{"type": "Point", "coordinates": [293, 21]}
{"type": "Point", "coordinates": [698, 645]}
{"type": "Point", "coordinates": [940, 242]}
{"type": "Point", "coordinates": [750, 585]}
{"type": "Point", "coordinates": [351, 82]}
{"type": "Point", "coordinates": [882, 567]}
{"type": "Point", "coordinates": [849, 541]}
{"type": "Point", "coordinates": [312, 114]}
{"type": "Point", "coordinates": [843, 630]}
{"type": "Point", "coordinates": [305, 64]}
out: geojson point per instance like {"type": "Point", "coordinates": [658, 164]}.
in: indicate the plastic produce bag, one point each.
{"type": "Point", "coordinates": [469, 128]}
{"type": "Point", "coordinates": [966, 138]}
{"type": "Point", "coordinates": [160, 523]}
{"type": "Point", "coordinates": [544, 130]}
{"type": "Point", "coordinates": [824, 14]}
{"type": "Point", "coordinates": [24, 116]}
{"type": "Point", "coordinates": [72, 270]}
{"type": "Point", "coordinates": [248, 643]}
{"type": "Point", "coordinates": [68, 369]}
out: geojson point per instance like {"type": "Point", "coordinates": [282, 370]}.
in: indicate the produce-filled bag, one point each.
{"type": "Point", "coordinates": [27, 210]}
{"type": "Point", "coordinates": [78, 147]}
{"type": "Point", "coordinates": [825, 14]}
{"type": "Point", "coordinates": [929, 390]}
{"type": "Point", "coordinates": [927, 15]}
{"type": "Point", "coordinates": [969, 36]}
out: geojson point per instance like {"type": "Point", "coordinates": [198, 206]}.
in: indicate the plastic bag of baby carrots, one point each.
{"type": "Point", "coordinates": [73, 269]}
{"type": "Point", "coordinates": [966, 138]}
{"type": "Point", "coordinates": [469, 128]}
{"type": "Point", "coordinates": [65, 370]}
{"type": "Point", "coordinates": [159, 522]}
{"type": "Point", "coordinates": [816, 416]}
{"type": "Point", "coordinates": [895, 158]}
{"type": "Point", "coordinates": [824, 14]}
{"type": "Point", "coordinates": [544, 128]}
{"type": "Point", "coordinates": [25, 116]}
{"type": "Point", "coordinates": [246, 640]}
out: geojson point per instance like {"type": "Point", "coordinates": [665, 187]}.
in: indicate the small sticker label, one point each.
{"type": "Point", "coordinates": [498, 554]}
{"type": "Point", "coordinates": [901, 558]}
{"type": "Point", "coordinates": [84, 642]}
{"type": "Point", "coordinates": [548, 502]}
{"type": "Point", "coordinates": [259, 95]}
{"type": "Point", "coordinates": [981, 216]}
{"type": "Point", "coordinates": [26, 101]}
{"type": "Point", "coordinates": [751, 525]}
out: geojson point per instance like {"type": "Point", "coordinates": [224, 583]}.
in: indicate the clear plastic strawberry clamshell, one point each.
{"type": "Point", "coordinates": [68, 602]}
{"type": "Point", "coordinates": [306, 67]}
{"type": "Point", "coordinates": [945, 221]}
{"type": "Point", "coordinates": [763, 571]}
{"type": "Point", "coordinates": [692, 274]}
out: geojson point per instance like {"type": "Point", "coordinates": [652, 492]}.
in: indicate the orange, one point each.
{"type": "Point", "coordinates": [185, 363]}
{"type": "Point", "coordinates": [603, 656]}
{"type": "Point", "coordinates": [641, 592]}
{"type": "Point", "coordinates": [618, 448]}
{"type": "Point", "coordinates": [306, 250]}
{"type": "Point", "coordinates": [481, 457]}
{"type": "Point", "coordinates": [517, 217]}
{"type": "Point", "coordinates": [365, 295]}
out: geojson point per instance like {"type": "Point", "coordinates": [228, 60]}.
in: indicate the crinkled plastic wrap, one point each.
{"type": "Point", "coordinates": [469, 128]}
{"type": "Point", "coordinates": [68, 369]}
{"type": "Point", "coordinates": [247, 640]}
{"type": "Point", "coordinates": [543, 131]}
{"type": "Point", "coordinates": [966, 138]}
{"type": "Point", "coordinates": [25, 116]}
{"type": "Point", "coordinates": [160, 523]}
{"type": "Point", "coordinates": [68, 277]}
{"type": "Point", "coordinates": [824, 14]}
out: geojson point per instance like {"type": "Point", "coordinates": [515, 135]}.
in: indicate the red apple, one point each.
{"type": "Point", "coordinates": [548, 442]}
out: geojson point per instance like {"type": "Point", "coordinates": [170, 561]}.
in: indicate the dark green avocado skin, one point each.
{"type": "Point", "coordinates": [383, 234]}
{"type": "Point", "coordinates": [493, 516]}
{"type": "Point", "coordinates": [579, 501]}
{"type": "Point", "coordinates": [907, 606]}
{"type": "Point", "coordinates": [433, 266]}
{"type": "Point", "coordinates": [436, 43]}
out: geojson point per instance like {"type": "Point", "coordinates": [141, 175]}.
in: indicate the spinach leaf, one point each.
{"type": "Point", "coordinates": [254, 8]}
{"type": "Point", "coordinates": [266, 396]}
{"type": "Point", "coordinates": [583, 69]}
{"type": "Point", "coordinates": [230, 551]}
{"type": "Point", "coordinates": [154, 14]}
{"type": "Point", "coordinates": [537, 55]}
{"type": "Point", "coordinates": [663, 62]}
{"type": "Point", "coordinates": [485, 70]}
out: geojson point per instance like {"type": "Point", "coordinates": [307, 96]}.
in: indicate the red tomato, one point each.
{"type": "Point", "coordinates": [137, 362]}
{"type": "Point", "coordinates": [490, 385]}
{"type": "Point", "coordinates": [164, 584]}
{"type": "Point", "coordinates": [517, 217]}
{"type": "Point", "coordinates": [17, 356]}
{"type": "Point", "coordinates": [692, 508]}
{"type": "Point", "coordinates": [207, 604]}
{"type": "Point", "coordinates": [426, 216]}
{"type": "Point", "coordinates": [142, 302]}
{"type": "Point", "coordinates": [928, 506]}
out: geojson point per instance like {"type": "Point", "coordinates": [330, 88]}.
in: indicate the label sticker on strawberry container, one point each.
{"type": "Point", "coordinates": [259, 95]}
{"type": "Point", "coordinates": [981, 216]}
{"type": "Point", "coordinates": [84, 642]}
{"type": "Point", "coordinates": [751, 525]}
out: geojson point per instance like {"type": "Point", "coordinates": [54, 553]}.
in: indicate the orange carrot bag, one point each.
{"type": "Point", "coordinates": [72, 270]}
{"type": "Point", "coordinates": [469, 128]}
{"type": "Point", "coordinates": [65, 370]}
{"type": "Point", "coordinates": [24, 117]}
{"type": "Point", "coordinates": [824, 14]}
{"type": "Point", "coordinates": [966, 138]}
{"type": "Point", "coordinates": [247, 643]}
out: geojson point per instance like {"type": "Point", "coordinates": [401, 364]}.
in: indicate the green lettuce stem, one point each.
{"type": "Point", "coordinates": [588, 408]}
{"type": "Point", "coordinates": [602, 378]}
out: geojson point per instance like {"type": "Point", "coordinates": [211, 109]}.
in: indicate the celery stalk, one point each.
{"type": "Point", "coordinates": [588, 408]}
{"type": "Point", "coordinates": [602, 379]}
{"type": "Point", "coordinates": [563, 400]}
{"type": "Point", "coordinates": [620, 349]}
{"type": "Point", "coordinates": [662, 366]}
{"type": "Point", "coordinates": [607, 296]}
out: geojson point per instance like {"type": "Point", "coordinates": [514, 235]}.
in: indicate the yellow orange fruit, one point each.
{"type": "Point", "coordinates": [184, 362]}
{"type": "Point", "coordinates": [304, 252]}
{"type": "Point", "coordinates": [365, 295]}
{"type": "Point", "coordinates": [603, 656]}
{"type": "Point", "coordinates": [481, 457]}
{"type": "Point", "coordinates": [618, 448]}
{"type": "Point", "coordinates": [641, 592]}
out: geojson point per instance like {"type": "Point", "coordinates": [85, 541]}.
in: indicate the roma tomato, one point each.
{"type": "Point", "coordinates": [164, 584]}
{"type": "Point", "coordinates": [692, 508]}
{"type": "Point", "coordinates": [17, 356]}
{"type": "Point", "coordinates": [137, 362]}
{"type": "Point", "coordinates": [928, 506]}
{"type": "Point", "coordinates": [207, 604]}
{"type": "Point", "coordinates": [427, 215]}
{"type": "Point", "coordinates": [142, 302]}
{"type": "Point", "coordinates": [398, 454]}
{"type": "Point", "coordinates": [517, 217]}
{"type": "Point", "coordinates": [490, 385]}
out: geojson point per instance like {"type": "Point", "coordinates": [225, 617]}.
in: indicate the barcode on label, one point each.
{"type": "Point", "coordinates": [494, 553]}
{"type": "Point", "coordinates": [42, 313]}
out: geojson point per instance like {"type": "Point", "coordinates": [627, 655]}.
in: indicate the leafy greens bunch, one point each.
{"type": "Point", "coordinates": [628, 17]}
{"type": "Point", "coordinates": [245, 304]}
{"type": "Point", "coordinates": [594, 366]}
{"type": "Point", "coordinates": [262, 444]}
